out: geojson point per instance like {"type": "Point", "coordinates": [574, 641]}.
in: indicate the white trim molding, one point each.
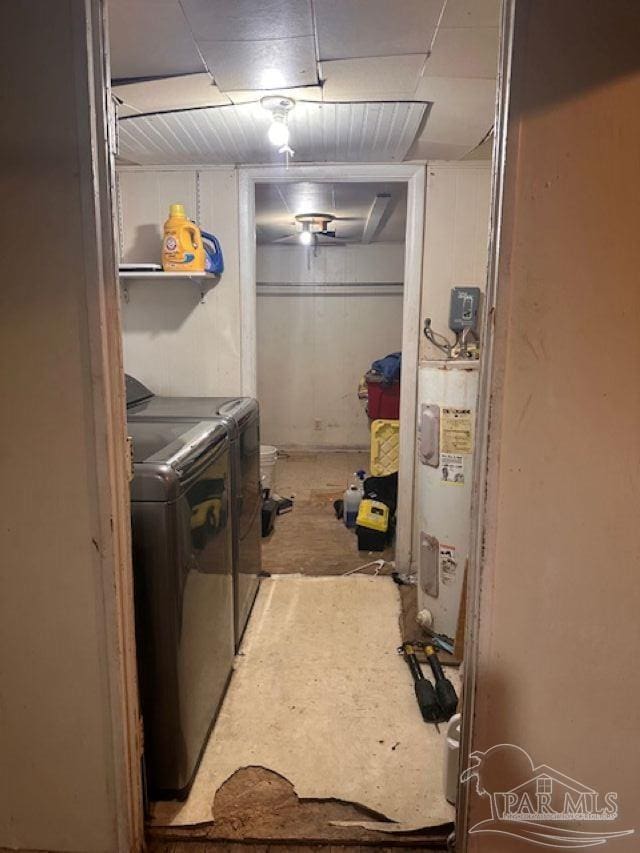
{"type": "Point", "coordinates": [414, 176]}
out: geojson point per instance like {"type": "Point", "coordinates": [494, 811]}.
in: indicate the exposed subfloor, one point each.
{"type": "Point", "coordinates": [320, 740]}
{"type": "Point", "coordinates": [310, 539]}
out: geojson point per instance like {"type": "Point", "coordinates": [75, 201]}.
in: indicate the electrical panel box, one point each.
{"type": "Point", "coordinates": [464, 308]}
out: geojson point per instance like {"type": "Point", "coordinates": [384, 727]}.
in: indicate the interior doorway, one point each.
{"type": "Point", "coordinates": [329, 287]}
{"type": "Point", "coordinates": [405, 186]}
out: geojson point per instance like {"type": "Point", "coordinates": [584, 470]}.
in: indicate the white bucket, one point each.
{"type": "Point", "coordinates": [452, 759]}
{"type": "Point", "coordinates": [268, 459]}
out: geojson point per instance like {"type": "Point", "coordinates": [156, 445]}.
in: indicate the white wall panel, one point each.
{"type": "Point", "coordinates": [172, 341]}
{"type": "Point", "coordinates": [456, 239]}
{"type": "Point", "coordinates": [313, 347]}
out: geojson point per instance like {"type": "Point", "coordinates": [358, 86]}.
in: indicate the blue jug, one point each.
{"type": "Point", "coordinates": [214, 262]}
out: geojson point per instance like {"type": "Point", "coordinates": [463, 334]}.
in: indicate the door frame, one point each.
{"type": "Point", "coordinates": [96, 135]}
{"type": "Point", "coordinates": [479, 508]}
{"type": "Point", "coordinates": [414, 177]}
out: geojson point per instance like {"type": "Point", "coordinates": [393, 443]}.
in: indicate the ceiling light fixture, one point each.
{"type": "Point", "coordinates": [278, 133]}
{"type": "Point", "coordinates": [279, 106]}
{"type": "Point", "coordinates": [305, 235]}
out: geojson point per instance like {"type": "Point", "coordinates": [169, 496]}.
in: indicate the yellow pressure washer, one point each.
{"type": "Point", "coordinates": [372, 525]}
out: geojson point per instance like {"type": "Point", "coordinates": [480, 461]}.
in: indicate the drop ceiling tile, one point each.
{"type": "Point", "coordinates": [361, 28]}
{"type": "Point", "coordinates": [462, 110]}
{"type": "Point", "coordinates": [124, 111]}
{"type": "Point", "coordinates": [248, 20]}
{"type": "Point", "coordinates": [171, 93]}
{"type": "Point", "coordinates": [483, 151]}
{"type": "Point", "coordinates": [150, 39]}
{"type": "Point", "coordinates": [271, 64]}
{"type": "Point", "coordinates": [381, 78]}
{"type": "Point", "coordinates": [422, 149]}
{"type": "Point", "coordinates": [471, 13]}
{"type": "Point", "coordinates": [464, 52]}
{"type": "Point", "coordinates": [302, 93]}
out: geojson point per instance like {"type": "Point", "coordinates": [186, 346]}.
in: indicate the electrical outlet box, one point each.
{"type": "Point", "coordinates": [464, 308]}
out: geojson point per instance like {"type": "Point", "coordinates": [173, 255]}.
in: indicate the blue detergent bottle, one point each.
{"type": "Point", "coordinates": [214, 262]}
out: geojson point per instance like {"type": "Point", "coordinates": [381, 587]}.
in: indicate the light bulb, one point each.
{"type": "Point", "coordinates": [278, 133]}
{"type": "Point", "coordinates": [305, 238]}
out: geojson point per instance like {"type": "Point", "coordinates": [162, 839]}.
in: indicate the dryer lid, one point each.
{"type": "Point", "coordinates": [168, 456]}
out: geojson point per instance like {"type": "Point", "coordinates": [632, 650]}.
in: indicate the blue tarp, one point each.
{"type": "Point", "coordinates": [389, 367]}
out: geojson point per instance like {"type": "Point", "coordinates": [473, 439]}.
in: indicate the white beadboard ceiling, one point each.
{"type": "Point", "coordinates": [320, 133]}
{"type": "Point", "coordinates": [171, 55]}
{"type": "Point", "coordinates": [277, 205]}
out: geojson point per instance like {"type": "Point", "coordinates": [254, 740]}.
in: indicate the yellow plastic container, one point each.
{"type": "Point", "coordinates": [182, 249]}
{"type": "Point", "coordinates": [385, 447]}
{"type": "Point", "coordinates": [374, 515]}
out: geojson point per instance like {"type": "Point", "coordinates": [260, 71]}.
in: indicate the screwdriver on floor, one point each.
{"type": "Point", "coordinates": [445, 691]}
{"type": "Point", "coordinates": [425, 694]}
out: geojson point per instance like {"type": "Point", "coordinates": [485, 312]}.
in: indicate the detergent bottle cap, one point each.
{"type": "Point", "coordinates": [177, 210]}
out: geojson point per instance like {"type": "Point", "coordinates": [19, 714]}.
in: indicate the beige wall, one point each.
{"type": "Point", "coordinates": [63, 740]}
{"type": "Point", "coordinates": [321, 320]}
{"type": "Point", "coordinates": [456, 234]}
{"type": "Point", "coordinates": [559, 624]}
{"type": "Point", "coordinates": [173, 342]}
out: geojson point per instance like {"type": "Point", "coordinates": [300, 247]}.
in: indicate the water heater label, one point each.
{"type": "Point", "coordinates": [448, 564]}
{"type": "Point", "coordinates": [456, 430]}
{"type": "Point", "coordinates": [452, 468]}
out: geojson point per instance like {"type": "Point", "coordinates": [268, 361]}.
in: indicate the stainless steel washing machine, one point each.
{"type": "Point", "coordinates": [183, 581]}
{"type": "Point", "coordinates": [242, 417]}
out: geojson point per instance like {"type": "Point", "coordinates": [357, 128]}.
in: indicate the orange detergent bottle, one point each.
{"type": "Point", "coordinates": [182, 249]}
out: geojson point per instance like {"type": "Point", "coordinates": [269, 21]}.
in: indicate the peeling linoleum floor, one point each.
{"type": "Point", "coordinates": [321, 698]}
{"type": "Point", "coordinates": [319, 739]}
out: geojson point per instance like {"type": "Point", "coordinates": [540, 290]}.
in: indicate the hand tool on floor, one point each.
{"type": "Point", "coordinates": [425, 693]}
{"type": "Point", "coordinates": [445, 692]}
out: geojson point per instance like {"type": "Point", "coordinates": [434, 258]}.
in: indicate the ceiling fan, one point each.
{"type": "Point", "coordinates": [314, 229]}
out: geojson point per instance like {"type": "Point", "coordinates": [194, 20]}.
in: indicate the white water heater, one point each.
{"type": "Point", "coordinates": [447, 403]}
